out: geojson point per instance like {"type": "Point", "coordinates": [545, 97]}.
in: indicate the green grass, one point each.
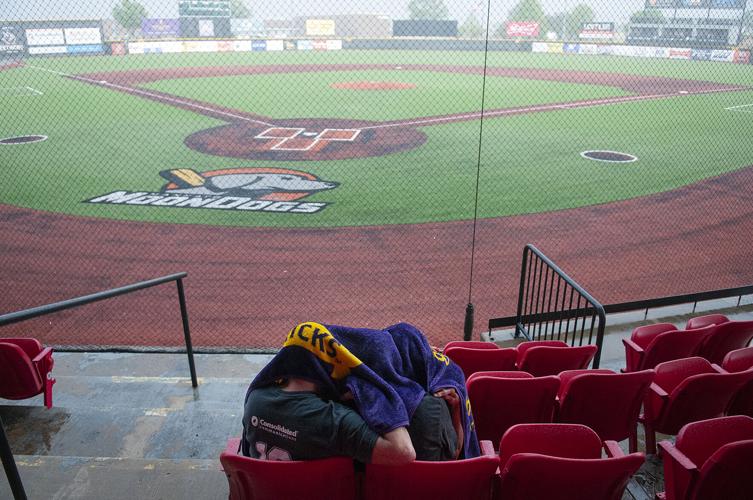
{"type": "Point", "coordinates": [101, 141]}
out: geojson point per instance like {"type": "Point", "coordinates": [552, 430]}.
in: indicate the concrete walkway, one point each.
{"type": "Point", "coordinates": [131, 426]}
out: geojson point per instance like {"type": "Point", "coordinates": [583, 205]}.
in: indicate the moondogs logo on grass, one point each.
{"type": "Point", "coordinates": [242, 189]}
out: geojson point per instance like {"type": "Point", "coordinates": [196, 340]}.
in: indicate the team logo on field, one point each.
{"type": "Point", "coordinates": [254, 189]}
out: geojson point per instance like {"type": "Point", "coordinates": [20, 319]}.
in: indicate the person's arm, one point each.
{"type": "Point", "coordinates": [456, 410]}
{"type": "Point", "coordinates": [393, 448]}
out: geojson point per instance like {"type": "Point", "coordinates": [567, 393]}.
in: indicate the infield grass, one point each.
{"type": "Point", "coordinates": [101, 140]}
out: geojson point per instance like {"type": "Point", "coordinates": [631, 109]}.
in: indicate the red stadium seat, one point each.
{"type": "Point", "coordinates": [454, 480]}
{"type": "Point", "coordinates": [252, 479]}
{"type": "Point", "coordinates": [653, 344]}
{"type": "Point", "coordinates": [684, 391]}
{"type": "Point", "coordinates": [542, 358]}
{"type": "Point", "coordinates": [561, 461]}
{"type": "Point", "coordinates": [707, 320]}
{"type": "Point", "coordinates": [726, 338]}
{"type": "Point", "coordinates": [607, 402]}
{"type": "Point", "coordinates": [499, 402]}
{"type": "Point", "coordinates": [479, 360]}
{"type": "Point", "coordinates": [739, 361]}
{"type": "Point", "coordinates": [471, 344]}
{"type": "Point", "coordinates": [710, 459]}
{"type": "Point", "coordinates": [25, 369]}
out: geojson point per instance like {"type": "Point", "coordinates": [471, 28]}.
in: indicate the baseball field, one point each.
{"type": "Point", "coordinates": [340, 186]}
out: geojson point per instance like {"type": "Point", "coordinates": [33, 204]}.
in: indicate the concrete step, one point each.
{"type": "Point", "coordinates": [98, 478]}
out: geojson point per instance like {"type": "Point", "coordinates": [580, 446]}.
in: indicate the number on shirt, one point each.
{"type": "Point", "coordinates": [275, 453]}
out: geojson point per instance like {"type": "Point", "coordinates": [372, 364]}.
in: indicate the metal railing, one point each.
{"type": "Point", "coordinates": [6, 454]}
{"type": "Point", "coordinates": [34, 312]}
{"type": "Point", "coordinates": [552, 306]}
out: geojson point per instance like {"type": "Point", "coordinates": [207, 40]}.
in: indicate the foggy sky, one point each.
{"type": "Point", "coordinates": [605, 10]}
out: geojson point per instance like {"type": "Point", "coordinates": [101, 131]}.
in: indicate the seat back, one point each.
{"type": "Point", "coordinates": [559, 440]}
{"type": "Point", "coordinates": [524, 346]}
{"type": "Point", "coordinates": [706, 320]}
{"type": "Point", "coordinates": [742, 401]}
{"type": "Point", "coordinates": [726, 337]}
{"type": "Point", "coordinates": [643, 335]}
{"type": "Point", "coordinates": [252, 479]}
{"type": "Point", "coordinates": [453, 480]}
{"type": "Point", "coordinates": [19, 378]}
{"type": "Point", "coordinates": [471, 344]}
{"type": "Point", "coordinates": [726, 474]}
{"type": "Point", "coordinates": [699, 440]}
{"type": "Point", "coordinates": [499, 403]}
{"type": "Point", "coordinates": [478, 360]}
{"type": "Point", "coordinates": [738, 360]}
{"type": "Point", "coordinates": [674, 344]}
{"type": "Point", "coordinates": [498, 374]}
{"type": "Point", "coordinates": [699, 397]}
{"type": "Point", "coordinates": [532, 476]}
{"type": "Point", "coordinates": [607, 403]}
{"type": "Point", "coordinates": [544, 360]}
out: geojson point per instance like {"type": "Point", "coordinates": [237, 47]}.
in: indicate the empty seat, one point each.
{"type": "Point", "coordinates": [653, 344]}
{"type": "Point", "coordinates": [607, 402]}
{"type": "Point", "coordinates": [469, 479]}
{"type": "Point", "coordinates": [542, 358]}
{"type": "Point", "coordinates": [471, 344]}
{"type": "Point", "coordinates": [684, 391]}
{"type": "Point", "coordinates": [741, 360]}
{"type": "Point", "coordinates": [707, 320]}
{"type": "Point", "coordinates": [500, 401]}
{"type": "Point", "coordinates": [710, 459]}
{"type": "Point", "coordinates": [252, 479]}
{"type": "Point", "coordinates": [478, 360]}
{"type": "Point", "coordinates": [725, 338]}
{"type": "Point", "coordinates": [562, 461]}
{"type": "Point", "coordinates": [25, 369]}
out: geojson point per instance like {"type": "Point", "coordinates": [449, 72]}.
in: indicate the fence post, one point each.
{"type": "Point", "coordinates": [9, 464]}
{"type": "Point", "coordinates": [186, 332]}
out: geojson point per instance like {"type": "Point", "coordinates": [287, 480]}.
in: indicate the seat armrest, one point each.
{"type": "Point", "coordinates": [487, 448]}
{"type": "Point", "coordinates": [718, 368]}
{"type": "Point", "coordinates": [633, 355]}
{"type": "Point", "coordinates": [655, 388]}
{"type": "Point", "coordinates": [670, 452]}
{"type": "Point", "coordinates": [44, 353]}
{"type": "Point", "coordinates": [632, 346]}
{"type": "Point", "coordinates": [613, 449]}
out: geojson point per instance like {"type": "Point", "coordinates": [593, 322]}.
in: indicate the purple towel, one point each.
{"type": "Point", "coordinates": [388, 371]}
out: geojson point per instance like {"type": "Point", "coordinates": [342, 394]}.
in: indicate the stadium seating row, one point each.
{"type": "Point", "coordinates": [710, 460]}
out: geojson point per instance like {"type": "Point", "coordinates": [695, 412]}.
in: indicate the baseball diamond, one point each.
{"type": "Point", "coordinates": [297, 172]}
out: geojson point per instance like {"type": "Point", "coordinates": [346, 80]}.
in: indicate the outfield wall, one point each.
{"type": "Point", "coordinates": [739, 56]}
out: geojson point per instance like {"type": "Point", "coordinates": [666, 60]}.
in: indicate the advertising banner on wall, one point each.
{"type": "Point", "coordinates": [44, 36]}
{"type": "Point", "coordinates": [661, 4]}
{"type": "Point", "coordinates": [741, 56]}
{"type": "Point", "coordinates": [320, 27]}
{"type": "Point", "coordinates": [597, 31]}
{"type": "Point", "coordinates": [304, 45]}
{"type": "Point", "coordinates": [82, 36]}
{"type": "Point", "coordinates": [259, 45]}
{"type": "Point", "coordinates": [11, 39]}
{"type": "Point", "coordinates": [160, 28]}
{"type": "Point", "coordinates": [727, 4]}
{"type": "Point", "coordinates": [275, 45]}
{"type": "Point", "coordinates": [522, 29]}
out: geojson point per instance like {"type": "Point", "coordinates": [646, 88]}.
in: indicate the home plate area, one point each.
{"type": "Point", "coordinates": [301, 139]}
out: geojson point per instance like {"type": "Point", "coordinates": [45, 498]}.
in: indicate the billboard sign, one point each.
{"type": "Point", "coordinates": [522, 29]}
{"type": "Point", "coordinates": [82, 36]}
{"type": "Point", "coordinates": [201, 8]}
{"type": "Point", "coordinates": [728, 4]}
{"type": "Point", "coordinates": [661, 4]}
{"type": "Point", "coordinates": [160, 28]}
{"type": "Point", "coordinates": [11, 39]}
{"type": "Point", "coordinates": [320, 27]}
{"type": "Point", "coordinates": [598, 31]}
{"type": "Point", "coordinates": [45, 36]}
{"type": "Point", "coordinates": [258, 45]}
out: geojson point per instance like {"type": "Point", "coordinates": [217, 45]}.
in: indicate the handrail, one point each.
{"type": "Point", "coordinates": [540, 306]}
{"type": "Point", "coordinates": [9, 464]}
{"type": "Point", "coordinates": [34, 312]}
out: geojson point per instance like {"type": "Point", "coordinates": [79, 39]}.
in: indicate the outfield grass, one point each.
{"type": "Point", "coordinates": [102, 141]}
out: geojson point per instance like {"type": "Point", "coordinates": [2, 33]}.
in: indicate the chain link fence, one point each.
{"type": "Point", "coordinates": [364, 163]}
